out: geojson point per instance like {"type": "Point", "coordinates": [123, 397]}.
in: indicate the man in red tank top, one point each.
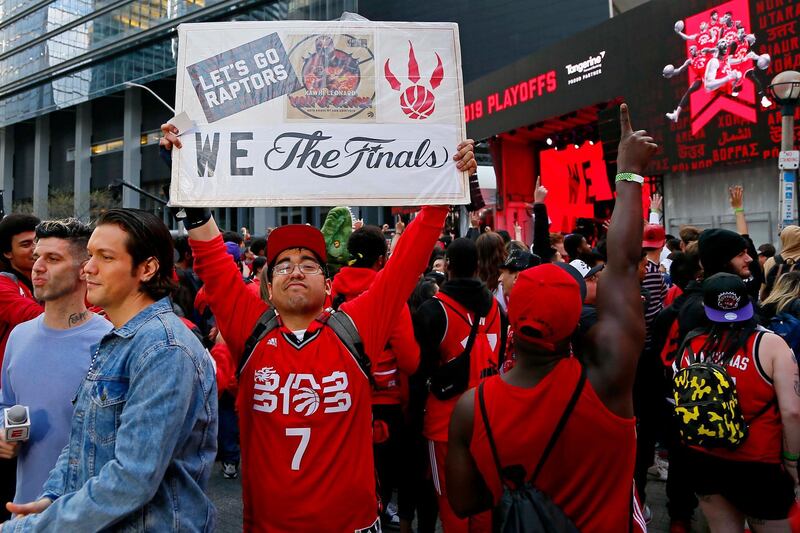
{"type": "Point", "coordinates": [443, 326]}
{"type": "Point", "coordinates": [755, 481]}
{"type": "Point", "coordinates": [304, 401]}
{"type": "Point", "coordinates": [592, 485]}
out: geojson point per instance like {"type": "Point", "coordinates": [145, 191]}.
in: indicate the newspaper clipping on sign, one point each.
{"type": "Point", "coordinates": [319, 113]}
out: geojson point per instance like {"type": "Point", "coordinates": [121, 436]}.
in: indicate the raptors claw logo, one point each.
{"type": "Point", "coordinates": [416, 101]}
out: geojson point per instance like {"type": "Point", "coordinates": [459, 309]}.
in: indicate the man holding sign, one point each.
{"type": "Point", "coordinates": [304, 396]}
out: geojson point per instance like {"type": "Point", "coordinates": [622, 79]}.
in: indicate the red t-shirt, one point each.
{"type": "Point", "coordinates": [305, 406]}
{"type": "Point", "coordinates": [755, 390]}
{"type": "Point", "coordinates": [484, 358]}
{"type": "Point", "coordinates": [589, 473]}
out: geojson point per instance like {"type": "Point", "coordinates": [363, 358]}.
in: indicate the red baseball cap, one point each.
{"type": "Point", "coordinates": [654, 236]}
{"type": "Point", "coordinates": [296, 236]}
{"type": "Point", "coordinates": [545, 305]}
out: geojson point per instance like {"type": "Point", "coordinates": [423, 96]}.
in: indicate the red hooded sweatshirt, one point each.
{"type": "Point", "coordinates": [401, 353]}
{"type": "Point", "coordinates": [16, 306]}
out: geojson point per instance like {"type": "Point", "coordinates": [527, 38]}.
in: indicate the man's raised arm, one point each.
{"type": "Point", "coordinates": [374, 311]}
{"type": "Point", "coordinates": [619, 334]}
{"type": "Point", "coordinates": [235, 308]}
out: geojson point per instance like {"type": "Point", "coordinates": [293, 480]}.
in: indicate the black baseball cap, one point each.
{"type": "Point", "coordinates": [725, 299]}
{"type": "Point", "coordinates": [519, 260]}
{"type": "Point", "coordinates": [576, 275]}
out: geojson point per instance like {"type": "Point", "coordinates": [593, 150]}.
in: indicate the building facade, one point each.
{"type": "Point", "coordinates": [75, 138]}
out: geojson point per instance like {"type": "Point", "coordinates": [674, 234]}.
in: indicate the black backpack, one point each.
{"type": "Point", "coordinates": [781, 267]}
{"type": "Point", "coordinates": [340, 323]}
{"type": "Point", "coordinates": [706, 408]}
{"type": "Point", "coordinates": [525, 508]}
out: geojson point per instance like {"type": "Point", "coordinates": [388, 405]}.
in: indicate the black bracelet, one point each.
{"type": "Point", "coordinates": [195, 217]}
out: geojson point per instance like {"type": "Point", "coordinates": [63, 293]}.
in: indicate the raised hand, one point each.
{"type": "Point", "coordinates": [465, 157]}
{"type": "Point", "coordinates": [541, 191]}
{"type": "Point", "coordinates": [475, 219]}
{"type": "Point", "coordinates": [656, 202]}
{"type": "Point", "coordinates": [170, 137]}
{"type": "Point", "coordinates": [636, 148]}
{"type": "Point", "coordinates": [736, 196]}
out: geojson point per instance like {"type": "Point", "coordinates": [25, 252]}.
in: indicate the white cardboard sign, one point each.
{"type": "Point", "coordinates": [319, 113]}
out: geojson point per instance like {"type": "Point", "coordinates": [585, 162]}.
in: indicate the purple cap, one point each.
{"type": "Point", "coordinates": [725, 299]}
{"type": "Point", "coordinates": [233, 249]}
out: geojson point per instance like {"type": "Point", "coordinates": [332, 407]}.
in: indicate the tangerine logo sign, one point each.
{"type": "Point", "coordinates": [705, 104]}
{"type": "Point", "coordinates": [416, 101]}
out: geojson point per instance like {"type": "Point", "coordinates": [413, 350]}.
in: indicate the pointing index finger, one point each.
{"type": "Point", "coordinates": [624, 120]}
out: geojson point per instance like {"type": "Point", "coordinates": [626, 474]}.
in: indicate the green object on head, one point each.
{"type": "Point", "coordinates": [336, 230]}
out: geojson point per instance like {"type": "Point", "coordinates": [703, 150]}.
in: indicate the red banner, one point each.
{"type": "Point", "coordinates": [575, 178]}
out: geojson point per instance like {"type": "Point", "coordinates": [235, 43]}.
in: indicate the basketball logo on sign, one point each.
{"type": "Point", "coordinates": [417, 101]}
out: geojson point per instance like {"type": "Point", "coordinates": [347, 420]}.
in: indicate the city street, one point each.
{"type": "Point", "coordinates": [226, 495]}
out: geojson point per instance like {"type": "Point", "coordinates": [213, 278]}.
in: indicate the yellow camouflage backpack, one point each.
{"type": "Point", "coordinates": [706, 403]}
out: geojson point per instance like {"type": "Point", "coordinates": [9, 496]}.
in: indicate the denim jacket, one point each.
{"type": "Point", "coordinates": [143, 436]}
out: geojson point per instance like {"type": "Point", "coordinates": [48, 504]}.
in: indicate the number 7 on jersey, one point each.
{"type": "Point", "coordinates": [305, 436]}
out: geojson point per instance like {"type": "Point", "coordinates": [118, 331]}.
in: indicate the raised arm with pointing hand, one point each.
{"type": "Point", "coordinates": [619, 333]}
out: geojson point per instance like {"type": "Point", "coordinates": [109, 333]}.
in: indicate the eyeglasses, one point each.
{"type": "Point", "coordinates": [308, 269]}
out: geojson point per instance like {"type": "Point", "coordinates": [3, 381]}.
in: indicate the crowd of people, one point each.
{"type": "Point", "coordinates": [360, 378]}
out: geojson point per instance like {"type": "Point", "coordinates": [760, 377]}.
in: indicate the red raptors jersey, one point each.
{"type": "Point", "coordinates": [707, 38]}
{"type": "Point", "coordinates": [742, 49]}
{"type": "Point", "coordinates": [304, 405]}
{"type": "Point", "coordinates": [483, 358]}
{"type": "Point", "coordinates": [698, 64]}
{"type": "Point", "coordinates": [730, 35]}
{"type": "Point", "coordinates": [589, 473]}
{"type": "Point", "coordinates": [755, 391]}
{"type": "Point", "coordinates": [715, 30]}
{"type": "Point", "coordinates": [306, 434]}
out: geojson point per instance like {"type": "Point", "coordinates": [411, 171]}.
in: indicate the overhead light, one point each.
{"type": "Point", "coordinates": [576, 146]}
{"type": "Point", "coordinates": [591, 143]}
{"type": "Point", "coordinates": [549, 141]}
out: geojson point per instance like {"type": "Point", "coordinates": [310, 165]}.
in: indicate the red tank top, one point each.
{"type": "Point", "coordinates": [589, 473]}
{"type": "Point", "coordinates": [306, 430]}
{"type": "Point", "coordinates": [699, 63]}
{"type": "Point", "coordinates": [483, 358]}
{"type": "Point", "coordinates": [755, 390]}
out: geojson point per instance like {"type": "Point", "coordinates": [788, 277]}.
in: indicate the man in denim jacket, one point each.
{"type": "Point", "coordinates": [144, 429]}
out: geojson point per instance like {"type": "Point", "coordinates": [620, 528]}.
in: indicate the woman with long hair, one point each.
{"type": "Point", "coordinates": [784, 297]}
{"type": "Point", "coordinates": [491, 254]}
{"type": "Point", "coordinates": [755, 480]}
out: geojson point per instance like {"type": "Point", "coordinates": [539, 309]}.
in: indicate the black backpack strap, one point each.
{"type": "Point", "coordinates": [338, 301]}
{"type": "Point", "coordinates": [266, 323]}
{"type": "Point", "coordinates": [489, 435]}
{"type": "Point", "coordinates": [689, 338]}
{"type": "Point", "coordinates": [501, 353]}
{"type": "Point", "coordinates": [343, 326]}
{"type": "Point", "coordinates": [561, 423]}
{"type": "Point", "coordinates": [473, 332]}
